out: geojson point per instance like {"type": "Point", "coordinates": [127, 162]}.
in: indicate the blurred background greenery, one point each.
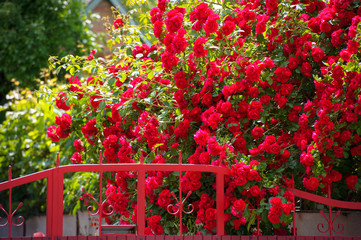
{"type": "Point", "coordinates": [31, 31]}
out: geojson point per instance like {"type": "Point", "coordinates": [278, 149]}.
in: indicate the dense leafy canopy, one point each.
{"type": "Point", "coordinates": [25, 147]}
{"type": "Point", "coordinates": [31, 31]}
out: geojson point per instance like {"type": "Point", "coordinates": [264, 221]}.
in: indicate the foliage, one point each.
{"type": "Point", "coordinates": [31, 31]}
{"type": "Point", "coordinates": [24, 145]}
{"type": "Point", "coordinates": [268, 89]}
{"type": "Point", "coordinates": [137, 14]}
{"type": "Point", "coordinates": [139, 9]}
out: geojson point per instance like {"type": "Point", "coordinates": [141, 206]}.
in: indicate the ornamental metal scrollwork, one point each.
{"type": "Point", "coordinates": [110, 208]}
{"type": "Point", "coordinates": [180, 204]}
{"type": "Point", "coordinates": [20, 219]}
{"type": "Point", "coordinates": [330, 223]}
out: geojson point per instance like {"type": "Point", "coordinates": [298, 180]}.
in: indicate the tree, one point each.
{"type": "Point", "coordinates": [31, 31]}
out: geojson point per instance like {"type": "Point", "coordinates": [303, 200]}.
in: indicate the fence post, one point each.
{"type": "Point", "coordinates": [220, 202]}
{"type": "Point", "coordinates": [180, 196]}
{"type": "Point", "coordinates": [141, 197]}
{"type": "Point", "coordinates": [330, 221]}
{"type": "Point", "coordinates": [10, 221]}
{"type": "Point", "coordinates": [49, 205]}
{"type": "Point", "coordinates": [100, 193]}
{"type": "Point", "coordinates": [57, 212]}
{"type": "Point", "coordinates": [294, 208]}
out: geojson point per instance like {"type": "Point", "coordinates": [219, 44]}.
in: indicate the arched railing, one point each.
{"type": "Point", "coordinates": [55, 188]}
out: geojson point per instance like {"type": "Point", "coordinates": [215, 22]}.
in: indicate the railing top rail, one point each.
{"type": "Point", "coordinates": [161, 167]}
{"type": "Point", "coordinates": [112, 167]}
{"type": "Point", "coordinates": [25, 179]}
{"type": "Point", "coordinates": [167, 167]}
{"type": "Point", "coordinates": [325, 200]}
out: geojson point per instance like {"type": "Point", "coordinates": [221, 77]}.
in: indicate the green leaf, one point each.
{"type": "Point", "coordinates": [111, 82]}
{"type": "Point", "coordinates": [123, 112]}
{"type": "Point", "coordinates": [260, 38]}
{"type": "Point", "coordinates": [166, 104]}
{"type": "Point", "coordinates": [101, 105]}
{"type": "Point", "coordinates": [72, 71]}
{"type": "Point", "coordinates": [94, 70]}
{"type": "Point", "coordinates": [157, 145]}
{"type": "Point", "coordinates": [76, 208]}
{"type": "Point", "coordinates": [251, 220]}
{"type": "Point", "coordinates": [225, 68]}
{"type": "Point", "coordinates": [151, 75]}
{"type": "Point", "coordinates": [300, 7]}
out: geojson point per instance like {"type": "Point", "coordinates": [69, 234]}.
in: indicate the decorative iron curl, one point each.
{"type": "Point", "coordinates": [170, 208]}
{"type": "Point", "coordinates": [180, 205]}
{"type": "Point", "coordinates": [189, 205]}
{"type": "Point", "coordinates": [90, 210]}
{"type": "Point", "coordinates": [322, 226]}
{"type": "Point", "coordinates": [4, 224]}
{"type": "Point", "coordinates": [110, 208]}
{"type": "Point", "coordinates": [330, 223]}
{"type": "Point", "coordinates": [20, 219]}
{"type": "Point", "coordinates": [338, 227]}
{"type": "Point", "coordinates": [1, 220]}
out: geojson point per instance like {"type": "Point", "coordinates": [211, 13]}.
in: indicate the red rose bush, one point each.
{"type": "Point", "coordinates": [268, 89]}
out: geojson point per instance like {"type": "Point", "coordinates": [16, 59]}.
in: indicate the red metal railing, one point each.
{"type": "Point", "coordinates": [330, 203]}
{"type": "Point", "coordinates": [55, 187]}
{"type": "Point", "coordinates": [10, 214]}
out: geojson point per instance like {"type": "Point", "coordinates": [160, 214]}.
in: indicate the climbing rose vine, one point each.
{"type": "Point", "coordinates": [269, 89]}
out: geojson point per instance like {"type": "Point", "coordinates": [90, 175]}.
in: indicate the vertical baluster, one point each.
{"type": "Point", "coordinates": [58, 181]}
{"type": "Point", "coordinates": [180, 210]}
{"type": "Point", "coordinates": [100, 194]}
{"type": "Point", "coordinates": [220, 203]}
{"type": "Point", "coordinates": [330, 222]}
{"type": "Point", "coordinates": [49, 205]}
{"type": "Point", "coordinates": [294, 210]}
{"type": "Point", "coordinates": [10, 216]}
{"type": "Point", "coordinates": [180, 196]}
{"type": "Point", "coordinates": [141, 197]}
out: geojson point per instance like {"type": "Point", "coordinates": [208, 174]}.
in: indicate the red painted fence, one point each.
{"type": "Point", "coordinates": [161, 237]}
{"type": "Point", "coordinates": [55, 188]}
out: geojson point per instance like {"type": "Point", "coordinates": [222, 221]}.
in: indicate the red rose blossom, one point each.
{"type": "Point", "coordinates": [199, 50]}
{"type": "Point", "coordinates": [118, 23]}
{"type": "Point", "coordinates": [239, 205]}
{"type": "Point", "coordinates": [201, 137]}
{"type": "Point", "coordinates": [351, 181]}
{"type": "Point", "coordinates": [257, 132]}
